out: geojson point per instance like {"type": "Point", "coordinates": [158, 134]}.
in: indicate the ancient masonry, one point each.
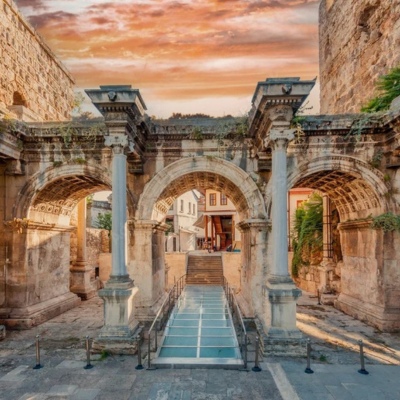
{"type": "Point", "coordinates": [34, 85]}
{"type": "Point", "coordinates": [359, 41]}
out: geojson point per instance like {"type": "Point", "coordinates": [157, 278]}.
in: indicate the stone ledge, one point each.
{"type": "Point", "coordinates": [27, 317]}
{"type": "Point", "coordinates": [384, 320]}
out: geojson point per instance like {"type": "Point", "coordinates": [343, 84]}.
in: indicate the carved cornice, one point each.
{"type": "Point", "coordinates": [259, 224]}
{"type": "Point", "coordinates": [357, 224]}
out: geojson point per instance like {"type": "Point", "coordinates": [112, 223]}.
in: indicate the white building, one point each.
{"type": "Point", "coordinates": [181, 217]}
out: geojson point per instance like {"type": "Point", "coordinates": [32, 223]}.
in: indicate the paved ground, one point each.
{"type": "Point", "coordinates": [335, 363]}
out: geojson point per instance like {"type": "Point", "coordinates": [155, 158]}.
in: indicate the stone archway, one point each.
{"type": "Point", "coordinates": [147, 251]}
{"type": "Point", "coordinates": [358, 192]}
{"type": "Point", "coordinates": [40, 277]}
{"type": "Point", "coordinates": [215, 173]}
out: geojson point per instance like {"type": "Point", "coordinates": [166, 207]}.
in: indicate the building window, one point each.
{"type": "Point", "coordinates": [190, 208]}
{"type": "Point", "coordinates": [213, 199]}
{"type": "Point", "coordinates": [194, 209]}
{"type": "Point", "coordinates": [224, 200]}
{"type": "Point", "coordinates": [172, 207]}
{"type": "Point", "coordinates": [181, 205]}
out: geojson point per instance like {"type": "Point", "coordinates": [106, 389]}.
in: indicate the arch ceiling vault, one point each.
{"type": "Point", "coordinates": [202, 173]}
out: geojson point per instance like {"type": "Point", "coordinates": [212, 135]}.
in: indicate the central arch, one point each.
{"type": "Point", "coordinates": [205, 172]}
{"type": "Point", "coordinates": [147, 259]}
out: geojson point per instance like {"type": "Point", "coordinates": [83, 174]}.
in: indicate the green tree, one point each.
{"type": "Point", "coordinates": [307, 232]}
{"type": "Point", "coordinates": [104, 221]}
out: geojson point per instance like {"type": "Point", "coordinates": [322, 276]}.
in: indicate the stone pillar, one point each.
{"type": "Point", "coordinates": [254, 256]}
{"type": "Point", "coordinates": [117, 334]}
{"type": "Point", "coordinates": [148, 266]}
{"type": "Point", "coordinates": [280, 292]}
{"type": "Point", "coordinates": [327, 265]}
{"type": "Point", "coordinates": [80, 270]}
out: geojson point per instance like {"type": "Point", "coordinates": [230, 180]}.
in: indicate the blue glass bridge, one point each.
{"type": "Point", "coordinates": [200, 331]}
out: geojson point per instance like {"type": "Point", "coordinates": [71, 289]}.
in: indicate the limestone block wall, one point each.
{"type": "Point", "coordinates": [176, 265]}
{"type": "Point", "coordinates": [232, 268]}
{"type": "Point", "coordinates": [33, 83]}
{"type": "Point", "coordinates": [359, 41]}
{"type": "Point", "coordinates": [370, 275]}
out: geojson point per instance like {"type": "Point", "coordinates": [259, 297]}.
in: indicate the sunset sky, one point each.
{"type": "Point", "coordinates": [185, 56]}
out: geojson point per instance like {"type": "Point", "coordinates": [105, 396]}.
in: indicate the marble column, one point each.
{"type": "Point", "coordinates": [120, 324]}
{"type": "Point", "coordinates": [327, 265]}
{"type": "Point", "coordinates": [80, 271]}
{"type": "Point", "coordinates": [280, 292]}
{"type": "Point", "coordinates": [119, 272]}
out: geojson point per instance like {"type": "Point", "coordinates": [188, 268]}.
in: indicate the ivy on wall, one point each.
{"type": "Point", "coordinates": [388, 222]}
{"type": "Point", "coordinates": [389, 88]}
{"type": "Point", "coordinates": [307, 232]}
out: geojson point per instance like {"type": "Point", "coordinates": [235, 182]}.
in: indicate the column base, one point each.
{"type": "Point", "coordinates": [279, 318]}
{"type": "Point", "coordinates": [118, 333]}
{"type": "Point", "coordinates": [80, 280]}
{"type": "Point", "coordinates": [117, 345]}
{"type": "Point", "coordinates": [282, 343]}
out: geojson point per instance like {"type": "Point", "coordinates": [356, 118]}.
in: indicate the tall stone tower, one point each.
{"type": "Point", "coordinates": [359, 40]}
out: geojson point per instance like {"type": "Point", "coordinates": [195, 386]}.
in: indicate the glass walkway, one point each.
{"type": "Point", "coordinates": [200, 331]}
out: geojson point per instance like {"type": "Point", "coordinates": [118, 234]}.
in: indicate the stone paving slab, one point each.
{"type": "Point", "coordinates": [335, 361]}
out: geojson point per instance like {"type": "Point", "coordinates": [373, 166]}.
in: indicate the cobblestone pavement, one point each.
{"type": "Point", "coordinates": [335, 363]}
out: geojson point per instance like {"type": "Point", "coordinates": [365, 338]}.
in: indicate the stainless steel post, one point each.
{"type": "Point", "coordinates": [256, 367]}
{"type": "Point", "coordinates": [308, 369]}
{"type": "Point", "coordinates": [139, 354]}
{"type": "Point", "coordinates": [362, 371]}
{"type": "Point", "coordinates": [87, 345]}
{"type": "Point", "coordinates": [38, 365]}
{"type": "Point", "coordinates": [245, 351]}
{"type": "Point", "coordinates": [148, 353]}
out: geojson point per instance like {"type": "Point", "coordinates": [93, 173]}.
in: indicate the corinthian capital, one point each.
{"type": "Point", "coordinates": [279, 138]}
{"type": "Point", "coordinates": [118, 142]}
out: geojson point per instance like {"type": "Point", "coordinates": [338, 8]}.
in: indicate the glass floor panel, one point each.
{"type": "Point", "coordinates": [178, 352]}
{"type": "Point", "coordinates": [184, 322]}
{"type": "Point", "coordinates": [200, 327]}
{"type": "Point", "coordinates": [181, 341]}
{"type": "Point", "coordinates": [218, 352]}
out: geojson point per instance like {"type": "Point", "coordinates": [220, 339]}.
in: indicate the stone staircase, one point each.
{"type": "Point", "coordinates": [205, 270]}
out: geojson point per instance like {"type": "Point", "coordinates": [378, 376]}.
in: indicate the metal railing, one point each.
{"type": "Point", "coordinates": [163, 314]}
{"type": "Point", "coordinates": [238, 322]}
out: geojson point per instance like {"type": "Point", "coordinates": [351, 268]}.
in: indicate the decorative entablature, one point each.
{"type": "Point", "coordinates": [274, 103]}
{"type": "Point", "coordinates": [200, 128]}
{"type": "Point", "coordinates": [12, 135]}
{"type": "Point", "coordinates": [123, 109]}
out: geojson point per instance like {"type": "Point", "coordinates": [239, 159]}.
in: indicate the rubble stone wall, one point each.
{"type": "Point", "coordinates": [34, 85]}
{"type": "Point", "coordinates": [359, 41]}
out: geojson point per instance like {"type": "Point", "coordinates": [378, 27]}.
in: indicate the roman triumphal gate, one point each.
{"type": "Point", "coordinates": [50, 168]}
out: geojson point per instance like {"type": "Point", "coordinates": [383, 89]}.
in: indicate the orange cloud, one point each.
{"type": "Point", "coordinates": [170, 49]}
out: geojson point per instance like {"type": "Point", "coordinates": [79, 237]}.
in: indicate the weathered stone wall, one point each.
{"type": "Point", "coordinates": [359, 41]}
{"type": "Point", "coordinates": [232, 263]}
{"type": "Point", "coordinates": [34, 85]}
{"type": "Point", "coordinates": [175, 263]}
{"type": "Point", "coordinates": [370, 275]}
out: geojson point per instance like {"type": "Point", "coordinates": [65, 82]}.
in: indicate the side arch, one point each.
{"type": "Point", "coordinates": [357, 189]}
{"type": "Point", "coordinates": [205, 172]}
{"type": "Point", "coordinates": [56, 190]}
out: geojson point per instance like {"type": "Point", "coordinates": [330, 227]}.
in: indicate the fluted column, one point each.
{"type": "Point", "coordinates": [118, 232]}
{"type": "Point", "coordinates": [80, 271]}
{"type": "Point", "coordinates": [279, 140]}
{"type": "Point", "coordinates": [327, 265]}
{"type": "Point", "coordinates": [81, 233]}
{"type": "Point", "coordinates": [280, 292]}
{"type": "Point", "coordinates": [120, 323]}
